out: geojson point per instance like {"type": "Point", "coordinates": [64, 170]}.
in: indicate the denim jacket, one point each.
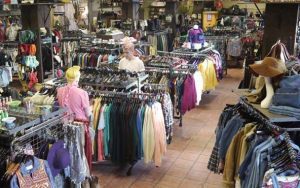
{"type": "Point", "coordinates": [36, 165]}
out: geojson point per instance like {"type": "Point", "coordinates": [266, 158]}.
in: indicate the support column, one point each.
{"type": "Point", "coordinates": [130, 9]}
{"type": "Point", "coordinates": [33, 17]}
{"type": "Point", "coordinates": [90, 15]}
{"type": "Point", "coordinates": [171, 9]}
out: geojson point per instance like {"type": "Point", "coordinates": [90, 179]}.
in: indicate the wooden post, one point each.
{"type": "Point", "coordinates": [34, 17]}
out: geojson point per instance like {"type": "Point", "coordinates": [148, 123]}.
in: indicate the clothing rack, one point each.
{"type": "Point", "coordinates": [9, 44]}
{"type": "Point", "coordinates": [262, 118]}
{"type": "Point", "coordinates": [96, 48]}
{"type": "Point", "coordinates": [134, 96]}
{"type": "Point", "coordinates": [171, 72]}
{"type": "Point", "coordinates": [70, 39]}
{"type": "Point", "coordinates": [270, 126]}
{"type": "Point", "coordinates": [198, 53]}
{"type": "Point", "coordinates": [137, 80]}
{"type": "Point", "coordinates": [157, 33]}
{"type": "Point", "coordinates": [34, 129]}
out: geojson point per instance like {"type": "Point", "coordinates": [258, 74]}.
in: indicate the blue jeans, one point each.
{"type": "Point", "coordinates": [290, 82]}
{"type": "Point", "coordinates": [256, 166]}
{"type": "Point", "coordinates": [285, 110]}
{"type": "Point", "coordinates": [287, 97]}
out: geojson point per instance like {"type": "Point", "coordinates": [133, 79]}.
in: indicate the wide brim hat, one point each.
{"type": "Point", "coordinates": [270, 67]}
{"type": "Point", "coordinates": [58, 158]}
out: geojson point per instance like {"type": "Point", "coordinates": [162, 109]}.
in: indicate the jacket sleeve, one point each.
{"type": "Point", "coordinates": [48, 171]}
{"type": "Point", "coordinates": [231, 162]}
{"type": "Point", "coordinates": [14, 182]}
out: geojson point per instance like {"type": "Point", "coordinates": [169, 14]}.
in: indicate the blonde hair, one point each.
{"type": "Point", "coordinates": [73, 74]}
{"type": "Point", "coordinates": [128, 43]}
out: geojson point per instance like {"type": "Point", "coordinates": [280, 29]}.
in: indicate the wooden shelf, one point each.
{"type": "Point", "coordinates": [274, 118]}
{"type": "Point", "coordinates": [10, 13]}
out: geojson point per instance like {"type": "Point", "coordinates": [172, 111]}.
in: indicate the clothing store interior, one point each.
{"type": "Point", "coordinates": [143, 93]}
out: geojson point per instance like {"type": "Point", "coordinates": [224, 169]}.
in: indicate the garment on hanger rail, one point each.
{"type": "Point", "coordinates": [75, 139]}
{"type": "Point", "coordinates": [129, 131]}
{"type": "Point", "coordinates": [256, 154]}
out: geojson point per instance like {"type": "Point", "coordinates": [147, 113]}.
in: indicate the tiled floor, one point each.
{"type": "Point", "coordinates": [185, 162]}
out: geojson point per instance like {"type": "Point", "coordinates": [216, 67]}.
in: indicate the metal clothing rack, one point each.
{"type": "Point", "coordinates": [137, 80]}
{"type": "Point", "coordinates": [260, 118]}
{"type": "Point", "coordinates": [188, 53]}
{"type": "Point", "coordinates": [11, 44]}
{"type": "Point", "coordinates": [35, 131]}
{"type": "Point", "coordinates": [250, 109]}
{"type": "Point", "coordinates": [220, 43]}
{"type": "Point", "coordinates": [184, 70]}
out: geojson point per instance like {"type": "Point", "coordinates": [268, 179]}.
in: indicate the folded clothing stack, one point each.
{"type": "Point", "coordinates": [286, 100]}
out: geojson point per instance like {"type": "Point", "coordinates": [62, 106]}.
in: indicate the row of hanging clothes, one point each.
{"type": "Point", "coordinates": [159, 40]}
{"type": "Point", "coordinates": [93, 57]}
{"type": "Point", "coordinates": [55, 156]}
{"type": "Point", "coordinates": [205, 60]}
{"type": "Point", "coordinates": [10, 26]}
{"type": "Point", "coordinates": [185, 77]}
{"type": "Point", "coordinates": [239, 46]}
{"type": "Point", "coordinates": [69, 45]}
{"type": "Point", "coordinates": [219, 43]}
{"type": "Point", "coordinates": [38, 158]}
{"type": "Point", "coordinates": [250, 151]}
{"type": "Point", "coordinates": [184, 86]}
{"type": "Point", "coordinates": [130, 127]}
{"type": "Point", "coordinates": [8, 65]}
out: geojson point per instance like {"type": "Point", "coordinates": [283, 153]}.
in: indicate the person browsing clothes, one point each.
{"type": "Point", "coordinates": [130, 62]}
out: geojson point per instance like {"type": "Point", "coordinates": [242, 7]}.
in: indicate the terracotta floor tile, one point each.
{"type": "Point", "coordinates": [207, 185]}
{"type": "Point", "coordinates": [200, 166]}
{"type": "Point", "coordinates": [104, 180]}
{"type": "Point", "coordinates": [182, 163]}
{"type": "Point", "coordinates": [165, 186]}
{"type": "Point", "coordinates": [172, 153]}
{"type": "Point", "coordinates": [194, 149]}
{"type": "Point", "coordinates": [152, 176]}
{"type": "Point", "coordinates": [142, 184]}
{"type": "Point", "coordinates": [197, 175]}
{"type": "Point", "coordinates": [121, 182]}
{"type": "Point", "coordinates": [203, 158]}
{"type": "Point", "coordinates": [186, 183]}
{"type": "Point", "coordinates": [171, 181]}
{"type": "Point", "coordinates": [214, 179]}
{"type": "Point", "coordinates": [177, 171]}
{"type": "Point", "coordinates": [206, 151]}
{"type": "Point", "coordinates": [191, 156]}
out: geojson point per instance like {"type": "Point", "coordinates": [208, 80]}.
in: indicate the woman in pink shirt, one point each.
{"type": "Point", "coordinates": [75, 99]}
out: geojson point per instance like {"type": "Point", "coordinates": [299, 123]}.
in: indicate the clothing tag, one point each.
{"type": "Point", "coordinates": [29, 167]}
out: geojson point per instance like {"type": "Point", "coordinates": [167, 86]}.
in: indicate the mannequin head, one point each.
{"type": "Point", "coordinates": [73, 75]}
{"type": "Point", "coordinates": [128, 50]}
